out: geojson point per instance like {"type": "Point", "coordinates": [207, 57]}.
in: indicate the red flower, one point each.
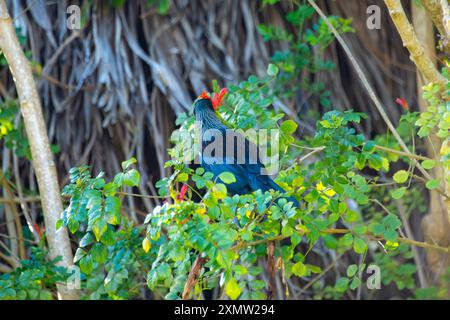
{"type": "Point", "coordinates": [402, 102]}
{"type": "Point", "coordinates": [38, 230]}
{"type": "Point", "coordinates": [182, 193]}
{"type": "Point", "coordinates": [217, 99]}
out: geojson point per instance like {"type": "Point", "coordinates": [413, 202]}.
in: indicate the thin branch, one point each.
{"type": "Point", "coordinates": [401, 153]}
{"type": "Point", "coordinates": [193, 277]}
{"type": "Point", "coordinates": [425, 245]}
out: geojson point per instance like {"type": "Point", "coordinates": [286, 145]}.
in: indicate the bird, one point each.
{"type": "Point", "coordinates": [244, 162]}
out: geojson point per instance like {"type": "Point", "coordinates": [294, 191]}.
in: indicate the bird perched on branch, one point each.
{"type": "Point", "coordinates": [226, 150]}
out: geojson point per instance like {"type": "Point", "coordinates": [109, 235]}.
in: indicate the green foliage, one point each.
{"type": "Point", "coordinates": [437, 117]}
{"type": "Point", "coordinates": [108, 253]}
{"type": "Point", "coordinates": [299, 56]}
{"type": "Point", "coordinates": [13, 135]}
{"type": "Point", "coordinates": [398, 271]}
{"type": "Point", "coordinates": [162, 6]}
{"type": "Point", "coordinates": [35, 279]}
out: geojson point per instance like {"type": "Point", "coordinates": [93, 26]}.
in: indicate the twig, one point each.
{"type": "Point", "coordinates": [271, 269]}
{"type": "Point", "coordinates": [193, 277]}
{"type": "Point", "coordinates": [426, 245]}
{"type": "Point", "coordinates": [401, 153]}
{"type": "Point", "coordinates": [409, 234]}
{"type": "Point", "coordinates": [320, 275]}
{"type": "Point", "coordinates": [23, 205]}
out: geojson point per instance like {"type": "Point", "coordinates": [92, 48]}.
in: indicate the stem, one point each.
{"type": "Point", "coordinates": [401, 153]}
{"type": "Point", "coordinates": [425, 245]}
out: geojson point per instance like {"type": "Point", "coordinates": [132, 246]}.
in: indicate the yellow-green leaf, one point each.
{"type": "Point", "coordinates": [232, 289]}
{"type": "Point", "coordinates": [401, 176]}
{"type": "Point", "coordinates": [146, 244]}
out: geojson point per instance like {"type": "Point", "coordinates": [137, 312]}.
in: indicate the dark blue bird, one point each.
{"type": "Point", "coordinates": [244, 162]}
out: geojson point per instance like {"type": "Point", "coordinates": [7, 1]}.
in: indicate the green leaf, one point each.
{"type": "Point", "coordinates": [110, 189]}
{"type": "Point", "coordinates": [45, 295]}
{"type": "Point", "coordinates": [391, 221]}
{"type": "Point", "coordinates": [86, 240]}
{"type": "Point", "coordinates": [390, 235]}
{"type": "Point", "coordinates": [232, 289]}
{"type": "Point", "coordinates": [369, 146]}
{"type": "Point", "coordinates": [112, 210]}
{"type": "Point", "coordinates": [240, 270]}
{"type": "Point", "coordinates": [72, 224]}
{"type": "Point", "coordinates": [99, 253]}
{"type": "Point", "coordinates": [376, 228]}
{"type": "Point", "coordinates": [219, 191]}
{"type": "Point", "coordinates": [127, 163]}
{"type": "Point", "coordinates": [108, 237]}
{"type": "Point", "coordinates": [99, 228]}
{"type": "Point", "coordinates": [59, 223]}
{"type": "Point", "coordinates": [272, 70]}
{"type": "Point", "coordinates": [118, 179]}
{"type": "Point", "coordinates": [398, 193]}
{"type": "Point", "coordinates": [356, 282]}
{"type": "Point", "coordinates": [131, 178]}
{"type": "Point", "coordinates": [342, 284]}
{"type": "Point", "coordinates": [33, 294]}
{"type": "Point", "coordinates": [227, 177]}
{"type": "Point", "coordinates": [428, 164]}
{"type": "Point", "coordinates": [347, 239]}
{"type": "Point", "coordinates": [86, 264]}
{"type": "Point", "coordinates": [288, 127]}
{"type": "Point", "coordinates": [432, 184]}
{"type": "Point", "coordinates": [80, 253]}
{"type": "Point", "coordinates": [299, 269]}
{"type": "Point", "coordinates": [359, 245]}
{"type": "Point", "coordinates": [401, 176]}
{"type": "Point", "coordinates": [182, 177]}
{"type": "Point", "coordinates": [351, 270]}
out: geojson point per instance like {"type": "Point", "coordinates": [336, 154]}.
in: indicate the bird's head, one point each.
{"type": "Point", "coordinates": [205, 103]}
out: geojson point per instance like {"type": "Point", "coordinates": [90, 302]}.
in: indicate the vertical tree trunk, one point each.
{"type": "Point", "coordinates": [43, 162]}
{"type": "Point", "coordinates": [435, 224]}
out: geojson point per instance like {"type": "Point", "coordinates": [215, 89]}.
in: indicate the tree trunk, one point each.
{"type": "Point", "coordinates": [435, 225]}
{"type": "Point", "coordinates": [42, 157]}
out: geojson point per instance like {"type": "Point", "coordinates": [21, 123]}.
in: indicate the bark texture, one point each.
{"type": "Point", "coordinates": [410, 41]}
{"type": "Point", "coordinates": [43, 163]}
{"type": "Point", "coordinates": [435, 225]}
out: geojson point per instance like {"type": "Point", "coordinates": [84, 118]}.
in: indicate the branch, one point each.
{"type": "Point", "coordinates": [410, 41]}
{"type": "Point", "coordinates": [401, 153]}
{"type": "Point", "coordinates": [440, 16]}
{"type": "Point", "coordinates": [42, 157]}
{"type": "Point", "coordinates": [425, 245]}
{"type": "Point", "coordinates": [193, 277]}
{"type": "Point", "coordinates": [271, 269]}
